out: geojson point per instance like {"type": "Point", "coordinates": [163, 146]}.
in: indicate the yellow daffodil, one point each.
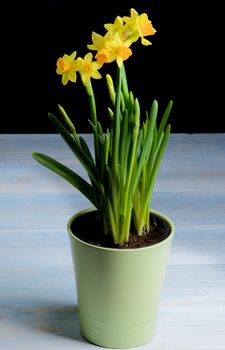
{"type": "Point", "coordinates": [103, 56]}
{"type": "Point", "coordinates": [142, 24]}
{"type": "Point", "coordinates": [100, 44]}
{"type": "Point", "coordinates": [88, 69]}
{"type": "Point", "coordinates": [124, 30]}
{"type": "Point", "coordinates": [67, 66]}
{"type": "Point", "coordinates": [116, 27]}
{"type": "Point", "coordinates": [99, 41]}
{"type": "Point", "coordinates": [119, 49]}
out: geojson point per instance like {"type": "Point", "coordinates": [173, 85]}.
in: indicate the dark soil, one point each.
{"type": "Point", "coordinates": [88, 228]}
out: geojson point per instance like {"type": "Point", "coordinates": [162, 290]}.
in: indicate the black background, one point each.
{"type": "Point", "coordinates": [183, 64]}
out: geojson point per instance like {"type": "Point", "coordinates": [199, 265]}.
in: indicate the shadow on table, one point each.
{"type": "Point", "coordinates": [60, 320]}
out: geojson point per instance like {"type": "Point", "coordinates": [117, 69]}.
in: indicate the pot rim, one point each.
{"type": "Point", "coordinates": [90, 209]}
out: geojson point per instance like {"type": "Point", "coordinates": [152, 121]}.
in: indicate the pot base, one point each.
{"type": "Point", "coordinates": [135, 335]}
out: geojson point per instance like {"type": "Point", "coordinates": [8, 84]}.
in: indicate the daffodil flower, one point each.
{"type": "Point", "coordinates": [88, 69]}
{"type": "Point", "coordinates": [142, 24]}
{"type": "Point", "coordinates": [67, 66]}
{"type": "Point", "coordinates": [116, 27]}
{"type": "Point", "coordinates": [98, 41]}
{"type": "Point", "coordinates": [103, 54]}
{"type": "Point", "coordinates": [124, 30]}
{"type": "Point", "coordinates": [119, 49]}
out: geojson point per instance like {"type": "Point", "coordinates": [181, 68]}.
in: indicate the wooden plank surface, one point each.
{"type": "Point", "coordinates": [38, 304]}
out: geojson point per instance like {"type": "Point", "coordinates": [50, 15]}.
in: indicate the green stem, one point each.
{"type": "Point", "coordinates": [155, 171]}
{"type": "Point", "coordinates": [116, 124]}
{"type": "Point", "coordinates": [92, 103]}
{"type": "Point", "coordinates": [128, 219]}
{"type": "Point", "coordinates": [112, 224]}
{"type": "Point", "coordinates": [115, 149]}
{"type": "Point", "coordinates": [128, 193]}
{"type": "Point", "coordinates": [125, 89]}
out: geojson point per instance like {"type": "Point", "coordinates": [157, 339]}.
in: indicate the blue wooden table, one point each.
{"type": "Point", "coordinates": [38, 305]}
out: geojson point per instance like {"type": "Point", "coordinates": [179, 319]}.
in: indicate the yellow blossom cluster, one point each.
{"type": "Point", "coordinates": [113, 46]}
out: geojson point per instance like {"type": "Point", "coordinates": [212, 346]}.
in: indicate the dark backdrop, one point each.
{"type": "Point", "coordinates": [183, 64]}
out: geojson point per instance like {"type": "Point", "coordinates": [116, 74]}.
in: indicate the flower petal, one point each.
{"type": "Point", "coordinates": [96, 75]}
{"type": "Point", "coordinates": [145, 42]}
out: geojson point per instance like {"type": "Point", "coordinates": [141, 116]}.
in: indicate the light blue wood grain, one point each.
{"type": "Point", "coordinates": [38, 303]}
{"type": "Point", "coordinates": [197, 161]}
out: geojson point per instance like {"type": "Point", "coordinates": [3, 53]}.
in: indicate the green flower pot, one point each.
{"type": "Point", "coordinates": [119, 290]}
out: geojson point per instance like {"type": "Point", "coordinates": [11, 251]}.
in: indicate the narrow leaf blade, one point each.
{"type": "Point", "coordinates": [77, 181]}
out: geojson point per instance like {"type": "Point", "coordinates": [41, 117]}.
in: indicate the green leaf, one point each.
{"type": "Point", "coordinates": [85, 147]}
{"type": "Point", "coordinates": [164, 120]}
{"type": "Point", "coordinates": [107, 145]}
{"type": "Point", "coordinates": [123, 139]}
{"type": "Point", "coordinates": [157, 163]}
{"type": "Point", "coordinates": [146, 148]}
{"type": "Point", "coordinates": [153, 153]}
{"type": "Point", "coordinates": [77, 150]}
{"type": "Point", "coordinates": [116, 126]}
{"type": "Point", "coordinates": [77, 181]}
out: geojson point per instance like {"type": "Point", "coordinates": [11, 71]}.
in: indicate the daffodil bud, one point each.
{"type": "Point", "coordinates": [66, 119]}
{"type": "Point", "coordinates": [111, 115]}
{"type": "Point", "coordinates": [111, 88]}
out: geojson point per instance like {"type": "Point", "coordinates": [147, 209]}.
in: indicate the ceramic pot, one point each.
{"type": "Point", "coordinates": [118, 290]}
